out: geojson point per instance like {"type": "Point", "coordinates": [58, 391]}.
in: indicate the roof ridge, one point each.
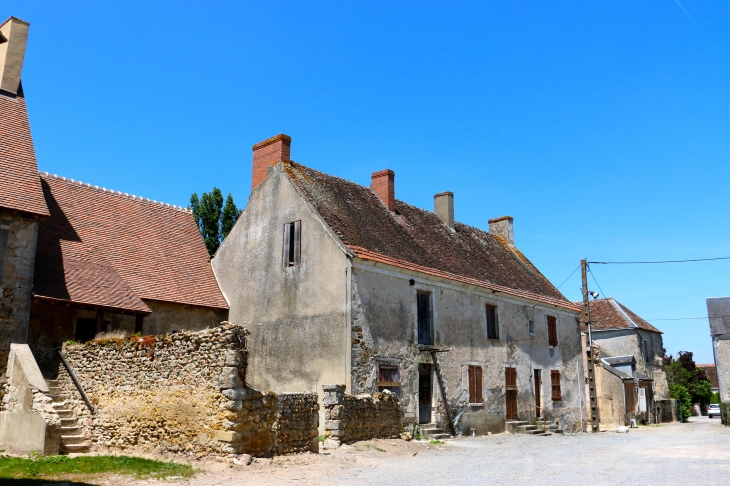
{"type": "Point", "coordinates": [112, 191]}
{"type": "Point", "coordinates": [617, 306]}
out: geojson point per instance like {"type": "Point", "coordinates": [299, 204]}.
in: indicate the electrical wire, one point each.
{"type": "Point", "coordinates": [688, 318]}
{"type": "Point", "coordinates": [558, 287]}
{"type": "Point", "coordinates": [605, 295]}
{"type": "Point", "coordinates": [663, 261]}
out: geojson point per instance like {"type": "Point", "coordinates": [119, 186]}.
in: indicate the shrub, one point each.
{"type": "Point", "coordinates": [684, 400]}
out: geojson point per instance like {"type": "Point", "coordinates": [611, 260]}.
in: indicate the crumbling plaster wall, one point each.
{"type": "Point", "coordinates": [610, 396]}
{"type": "Point", "coordinates": [16, 279]}
{"type": "Point", "coordinates": [384, 324]}
{"type": "Point", "coordinates": [298, 316]}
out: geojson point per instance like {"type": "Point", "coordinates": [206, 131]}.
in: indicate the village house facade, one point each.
{"type": "Point", "coordinates": [344, 284]}
{"type": "Point", "coordinates": [718, 310]}
{"type": "Point", "coordinates": [631, 383]}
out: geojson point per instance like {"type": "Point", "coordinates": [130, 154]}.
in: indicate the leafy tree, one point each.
{"type": "Point", "coordinates": [684, 399]}
{"type": "Point", "coordinates": [214, 220]}
{"type": "Point", "coordinates": [687, 383]}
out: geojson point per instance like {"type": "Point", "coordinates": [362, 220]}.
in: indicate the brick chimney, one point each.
{"type": "Point", "coordinates": [267, 153]}
{"type": "Point", "coordinates": [13, 37]}
{"type": "Point", "coordinates": [383, 183]}
{"type": "Point", "coordinates": [503, 228]}
{"type": "Point", "coordinates": [443, 205]}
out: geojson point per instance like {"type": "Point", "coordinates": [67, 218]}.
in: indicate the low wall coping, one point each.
{"type": "Point", "coordinates": [28, 365]}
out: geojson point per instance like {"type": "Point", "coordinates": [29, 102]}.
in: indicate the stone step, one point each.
{"type": "Point", "coordinates": [72, 430]}
{"type": "Point", "coordinates": [525, 429]}
{"type": "Point", "coordinates": [69, 422]}
{"type": "Point", "coordinates": [440, 436]}
{"type": "Point", "coordinates": [53, 383]}
{"type": "Point", "coordinates": [65, 413]}
{"type": "Point", "coordinates": [59, 398]}
{"type": "Point", "coordinates": [54, 390]}
{"type": "Point", "coordinates": [431, 432]}
{"type": "Point", "coordinates": [72, 439]}
{"type": "Point", "coordinates": [82, 447]}
{"type": "Point", "coordinates": [512, 425]}
{"type": "Point", "coordinates": [60, 405]}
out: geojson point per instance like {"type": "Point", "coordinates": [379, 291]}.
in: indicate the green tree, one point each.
{"type": "Point", "coordinates": [684, 399]}
{"type": "Point", "coordinates": [688, 384]}
{"type": "Point", "coordinates": [214, 220]}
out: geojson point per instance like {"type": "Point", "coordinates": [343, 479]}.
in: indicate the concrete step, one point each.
{"type": "Point", "coordinates": [72, 439]}
{"type": "Point", "coordinates": [65, 413]}
{"type": "Point", "coordinates": [82, 447]}
{"type": "Point", "coordinates": [512, 425]}
{"type": "Point", "coordinates": [60, 405]}
{"type": "Point", "coordinates": [71, 430]}
{"type": "Point", "coordinates": [53, 383]}
{"type": "Point", "coordinates": [525, 429]}
{"type": "Point", "coordinates": [54, 390]}
{"type": "Point", "coordinates": [440, 436]}
{"type": "Point", "coordinates": [69, 422]}
{"type": "Point", "coordinates": [431, 432]}
{"type": "Point", "coordinates": [62, 397]}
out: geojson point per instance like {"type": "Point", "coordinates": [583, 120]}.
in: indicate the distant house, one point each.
{"type": "Point", "coordinates": [630, 376]}
{"type": "Point", "coordinates": [718, 310]}
{"type": "Point", "coordinates": [78, 259]}
{"type": "Point", "coordinates": [345, 284]}
{"type": "Point", "coordinates": [711, 371]}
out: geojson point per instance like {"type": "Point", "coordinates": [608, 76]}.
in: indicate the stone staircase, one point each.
{"type": "Point", "coordinates": [72, 434]}
{"type": "Point", "coordinates": [539, 428]}
{"type": "Point", "coordinates": [433, 431]}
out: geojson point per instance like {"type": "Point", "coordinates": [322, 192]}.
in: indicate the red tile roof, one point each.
{"type": "Point", "coordinates": [20, 186]}
{"type": "Point", "coordinates": [609, 314]}
{"type": "Point", "coordinates": [105, 248]}
{"type": "Point", "coordinates": [417, 239]}
{"type": "Point", "coordinates": [711, 371]}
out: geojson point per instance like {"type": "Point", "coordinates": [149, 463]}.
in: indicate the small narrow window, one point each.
{"type": "Point", "coordinates": [492, 327]}
{"type": "Point", "coordinates": [552, 331]}
{"type": "Point", "coordinates": [423, 307]}
{"type": "Point", "coordinates": [645, 351]}
{"type": "Point", "coordinates": [475, 384]}
{"type": "Point", "coordinates": [531, 327]}
{"type": "Point", "coordinates": [389, 376]}
{"type": "Point", "coordinates": [3, 248]}
{"type": "Point", "coordinates": [555, 382]}
{"type": "Point", "coordinates": [292, 243]}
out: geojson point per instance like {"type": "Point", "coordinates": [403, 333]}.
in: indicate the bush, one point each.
{"type": "Point", "coordinates": [684, 400]}
{"type": "Point", "coordinates": [715, 398]}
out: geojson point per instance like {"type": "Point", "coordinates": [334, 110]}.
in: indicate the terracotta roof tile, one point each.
{"type": "Point", "coordinates": [97, 235]}
{"type": "Point", "coordinates": [609, 314]}
{"type": "Point", "coordinates": [711, 371]}
{"type": "Point", "coordinates": [414, 238]}
{"type": "Point", "coordinates": [20, 186]}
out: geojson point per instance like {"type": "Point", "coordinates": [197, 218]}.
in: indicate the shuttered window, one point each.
{"type": "Point", "coordinates": [552, 331]}
{"type": "Point", "coordinates": [423, 307]}
{"type": "Point", "coordinates": [475, 384]}
{"type": "Point", "coordinates": [510, 380]}
{"type": "Point", "coordinates": [555, 381]}
{"type": "Point", "coordinates": [292, 243]}
{"type": "Point", "coordinates": [492, 328]}
{"type": "Point", "coordinates": [389, 376]}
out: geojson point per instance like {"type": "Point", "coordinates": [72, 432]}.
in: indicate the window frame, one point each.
{"type": "Point", "coordinates": [292, 244]}
{"type": "Point", "coordinates": [495, 321]}
{"type": "Point", "coordinates": [428, 298]}
{"type": "Point", "coordinates": [530, 327]}
{"type": "Point", "coordinates": [556, 391]}
{"type": "Point", "coordinates": [392, 367]}
{"type": "Point", "coordinates": [475, 379]}
{"type": "Point", "coordinates": [552, 321]}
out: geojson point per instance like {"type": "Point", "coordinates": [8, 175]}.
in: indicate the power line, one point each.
{"type": "Point", "coordinates": [576, 269]}
{"type": "Point", "coordinates": [663, 261]}
{"type": "Point", "coordinates": [688, 318]}
{"type": "Point", "coordinates": [599, 285]}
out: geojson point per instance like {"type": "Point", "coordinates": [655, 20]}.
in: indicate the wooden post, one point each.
{"type": "Point", "coordinates": [591, 369]}
{"type": "Point", "coordinates": [443, 393]}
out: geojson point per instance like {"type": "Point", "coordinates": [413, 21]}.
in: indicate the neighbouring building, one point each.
{"type": "Point", "coordinates": [78, 259]}
{"type": "Point", "coordinates": [344, 284]}
{"type": "Point", "coordinates": [711, 371]}
{"type": "Point", "coordinates": [718, 310]}
{"type": "Point", "coordinates": [629, 362]}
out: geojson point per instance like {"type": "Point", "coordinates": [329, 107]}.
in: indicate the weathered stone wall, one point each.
{"type": "Point", "coordinates": [184, 392]}
{"type": "Point", "coordinates": [16, 279]}
{"type": "Point", "coordinates": [350, 418]}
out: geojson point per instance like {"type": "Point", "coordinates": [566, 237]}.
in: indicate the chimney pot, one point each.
{"type": "Point", "coordinates": [443, 205]}
{"type": "Point", "coordinates": [383, 183]}
{"type": "Point", "coordinates": [267, 153]}
{"type": "Point", "coordinates": [504, 228]}
{"type": "Point", "coordinates": [12, 53]}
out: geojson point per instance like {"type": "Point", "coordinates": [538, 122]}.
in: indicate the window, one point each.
{"type": "Point", "coordinates": [645, 351]}
{"type": "Point", "coordinates": [555, 381]}
{"type": "Point", "coordinates": [3, 248]}
{"type": "Point", "coordinates": [292, 243]}
{"type": "Point", "coordinates": [85, 330]}
{"type": "Point", "coordinates": [475, 384]}
{"type": "Point", "coordinates": [423, 307]}
{"type": "Point", "coordinates": [531, 327]}
{"type": "Point", "coordinates": [389, 376]}
{"type": "Point", "coordinates": [552, 331]}
{"type": "Point", "coordinates": [492, 328]}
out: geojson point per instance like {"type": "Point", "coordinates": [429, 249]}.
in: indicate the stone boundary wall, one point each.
{"type": "Point", "coordinates": [350, 418]}
{"type": "Point", "coordinates": [185, 393]}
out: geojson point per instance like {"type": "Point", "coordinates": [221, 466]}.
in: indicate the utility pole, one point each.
{"type": "Point", "coordinates": [591, 370]}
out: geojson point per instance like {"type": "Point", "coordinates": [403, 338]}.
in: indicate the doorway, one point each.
{"type": "Point", "coordinates": [85, 330]}
{"type": "Point", "coordinates": [424, 393]}
{"type": "Point", "coordinates": [538, 393]}
{"type": "Point", "coordinates": [510, 379]}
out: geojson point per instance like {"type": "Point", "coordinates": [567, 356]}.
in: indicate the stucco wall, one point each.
{"type": "Point", "coordinates": [384, 323]}
{"type": "Point", "coordinates": [721, 348]}
{"type": "Point", "coordinates": [16, 280]}
{"type": "Point", "coordinates": [610, 396]}
{"type": "Point", "coordinates": [297, 316]}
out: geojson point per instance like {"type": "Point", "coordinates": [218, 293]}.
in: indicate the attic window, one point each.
{"type": "Point", "coordinates": [292, 244]}
{"type": "Point", "coordinates": [492, 327]}
{"type": "Point", "coordinates": [552, 331]}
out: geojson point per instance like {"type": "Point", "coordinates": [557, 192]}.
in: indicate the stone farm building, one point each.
{"type": "Point", "coordinates": [76, 258]}
{"type": "Point", "coordinates": [629, 356]}
{"type": "Point", "coordinates": [344, 284]}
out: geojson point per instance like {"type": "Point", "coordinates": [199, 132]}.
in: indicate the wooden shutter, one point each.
{"type": "Point", "coordinates": [510, 377]}
{"type": "Point", "coordinates": [285, 252]}
{"type": "Point", "coordinates": [475, 384]}
{"type": "Point", "coordinates": [423, 307]}
{"type": "Point", "coordinates": [552, 331]}
{"type": "Point", "coordinates": [555, 381]}
{"type": "Point", "coordinates": [297, 241]}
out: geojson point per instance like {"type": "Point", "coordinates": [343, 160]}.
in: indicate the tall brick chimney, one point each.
{"type": "Point", "coordinates": [443, 205]}
{"type": "Point", "coordinates": [267, 153]}
{"type": "Point", "coordinates": [383, 183]}
{"type": "Point", "coordinates": [504, 228]}
{"type": "Point", "coordinates": [13, 38]}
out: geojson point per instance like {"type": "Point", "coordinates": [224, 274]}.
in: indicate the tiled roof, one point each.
{"type": "Point", "coordinates": [20, 186]}
{"type": "Point", "coordinates": [105, 248]}
{"type": "Point", "coordinates": [609, 314]}
{"type": "Point", "coordinates": [417, 239]}
{"type": "Point", "coordinates": [711, 371]}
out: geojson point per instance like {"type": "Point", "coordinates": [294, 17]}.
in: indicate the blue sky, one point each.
{"type": "Point", "coordinates": [602, 127]}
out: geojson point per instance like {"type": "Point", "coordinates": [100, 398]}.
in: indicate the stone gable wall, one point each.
{"type": "Point", "coordinates": [185, 393]}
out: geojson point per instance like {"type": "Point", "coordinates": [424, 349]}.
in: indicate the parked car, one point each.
{"type": "Point", "coordinates": [713, 410]}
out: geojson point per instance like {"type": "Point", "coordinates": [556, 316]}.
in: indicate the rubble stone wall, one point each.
{"type": "Point", "coordinates": [185, 393]}
{"type": "Point", "coordinates": [350, 418]}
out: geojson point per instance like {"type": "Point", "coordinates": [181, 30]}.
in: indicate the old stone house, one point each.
{"type": "Point", "coordinates": [344, 284]}
{"type": "Point", "coordinates": [77, 258]}
{"type": "Point", "coordinates": [629, 358]}
{"type": "Point", "coordinates": [718, 310]}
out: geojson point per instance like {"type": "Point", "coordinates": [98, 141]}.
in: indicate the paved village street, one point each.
{"type": "Point", "coordinates": [695, 453]}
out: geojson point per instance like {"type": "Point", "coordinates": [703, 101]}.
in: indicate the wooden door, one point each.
{"type": "Point", "coordinates": [510, 378]}
{"type": "Point", "coordinates": [538, 393]}
{"type": "Point", "coordinates": [424, 393]}
{"type": "Point", "coordinates": [629, 396]}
